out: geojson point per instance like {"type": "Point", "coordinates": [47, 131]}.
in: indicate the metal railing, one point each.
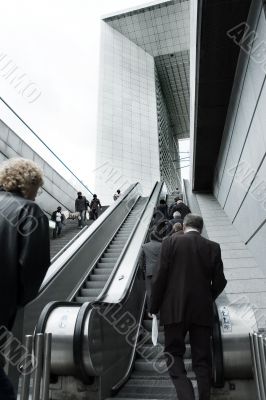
{"type": "Point", "coordinates": [258, 353]}
{"type": "Point", "coordinates": [37, 370]}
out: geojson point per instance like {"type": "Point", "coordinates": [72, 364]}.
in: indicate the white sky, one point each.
{"type": "Point", "coordinates": [56, 43]}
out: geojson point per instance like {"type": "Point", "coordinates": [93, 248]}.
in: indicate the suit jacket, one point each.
{"type": "Point", "coordinates": [189, 278]}
{"type": "Point", "coordinates": [182, 208]}
{"type": "Point", "coordinates": [151, 251]}
{"type": "Point", "coordinates": [81, 204]}
{"type": "Point", "coordinates": [25, 253]}
{"type": "Point", "coordinates": [176, 220]}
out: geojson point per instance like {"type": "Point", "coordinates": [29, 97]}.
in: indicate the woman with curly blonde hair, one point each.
{"type": "Point", "coordinates": [24, 244]}
{"type": "Point", "coordinates": [21, 176]}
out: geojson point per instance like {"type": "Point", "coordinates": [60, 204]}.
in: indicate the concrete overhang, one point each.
{"type": "Point", "coordinates": [216, 57]}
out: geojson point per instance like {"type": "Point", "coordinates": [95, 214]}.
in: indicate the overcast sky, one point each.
{"type": "Point", "coordinates": [56, 43]}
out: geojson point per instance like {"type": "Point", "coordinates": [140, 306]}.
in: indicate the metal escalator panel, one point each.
{"type": "Point", "coordinates": [98, 277]}
{"type": "Point", "coordinates": [75, 324]}
{"type": "Point", "coordinates": [67, 272]}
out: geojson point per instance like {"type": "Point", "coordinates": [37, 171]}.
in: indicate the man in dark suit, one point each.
{"type": "Point", "coordinates": [190, 277]}
{"type": "Point", "coordinates": [149, 260]}
{"type": "Point", "coordinates": [180, 207]}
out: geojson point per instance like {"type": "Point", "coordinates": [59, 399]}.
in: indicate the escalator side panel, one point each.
{"type": "Point", "coordinates": [62, 285]}
{"type": "Point", "coordinates": [118, 326]}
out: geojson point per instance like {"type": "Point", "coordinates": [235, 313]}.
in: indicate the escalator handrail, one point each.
{"type": "Point", "coordinates": [100, 301]}
{"type": "Point", "coordinates": [129, 240]}
{"type": "Point", "coordinates": [130, 367]}
{"type": "Point", "coordinates": [185, 197]}
{"type": "Point", "coordinates": [59, 264]}
{"type": "Point", "coordinates": [102, 298]}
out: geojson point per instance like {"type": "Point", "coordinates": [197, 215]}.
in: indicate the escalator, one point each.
{"type": "Point", "coordinates": [86, 271]}
{"type": "Point", "coordinates": [101, 272]}
{"type": "Point", "coordinates": [93, 253]}
{"type": "Point", "coordinates": [101, 344]}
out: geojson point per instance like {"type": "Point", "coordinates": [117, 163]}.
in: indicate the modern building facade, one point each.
{"type": "Point", "coordinates": [240, 178]}
{"type": "Point", "coordinates": [228, 138]}
{"type": "Point", "coordinates": [143, 97]}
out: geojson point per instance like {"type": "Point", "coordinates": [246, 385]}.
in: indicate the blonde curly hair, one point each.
{"type": "Point", "coordinates": [20, 175]}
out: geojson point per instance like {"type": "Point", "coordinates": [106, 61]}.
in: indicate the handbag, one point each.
{"type": "Point", "coordinates": [52, 224]}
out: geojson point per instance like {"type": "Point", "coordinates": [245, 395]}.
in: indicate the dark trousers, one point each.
{"type": "Point", "coordinates": [58, 229]}
{"type": "Point", "coordinates": [6, 389]}
{"type": "Point", "coordinates": [94, 213]}
{"type": "Point", "coordinates": [148, 280]}
{"type": "Point", "coordinates": [82, 218]}
{"type": "Point", "coordinates": [201, 358]}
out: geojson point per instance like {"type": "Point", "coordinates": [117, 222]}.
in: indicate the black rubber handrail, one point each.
{"type": "Point", "coordinates": [78, 344]}
{"type": "Point", "coordinates": [108, 283]}
{"type": "Point", "coordinates": [125, 378]}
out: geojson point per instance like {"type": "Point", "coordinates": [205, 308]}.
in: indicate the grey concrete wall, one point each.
{"type": "Point", "coordinates": [56, 190]}
{"type": "Point", "coordinates": [240, 181]}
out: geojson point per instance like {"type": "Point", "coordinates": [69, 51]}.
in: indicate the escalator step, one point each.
{"type": "Point", "coordinates": [98, 277]}
{"type": "Point", "coordinates": [150, 351]}
{"type": "Point", "coordinates": [143, 365]}
{"type": "Point", "coordinates": [102, 271]}
{"type": "Point", "coordinates": [160, 338]}
{"type": "Point", "coordinates": [148, 392]}
{"type": "Point", "coordinates": [147, 324]}
{"type": "Point", "coordinates": [95, 284]}
{"type": "Point", "coordinates": [121, 236]}
{"type": "Point", "coordinates": [108, 257]}
{"type": "Point", "coordinates": [105, 265]}
{"type": "Point", "coordinates": [141, 376]}
{"type": "Point", "coordinates": [105, 258]}
{"type": "Point", "coordinates": [80, 299]}
{"type": "Point", "coordinates": [114, 252]}
{"type": "Point", "coordinates": [90, 292]}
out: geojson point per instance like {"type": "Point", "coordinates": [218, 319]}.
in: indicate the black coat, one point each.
{"type": "Point", "coordinates": [53, 217]}
{"type": "Point", "coordinates": [25, 253]}
{"type": "Point", "coordinates": [160, 213]}
{"type": "Point", "coordinates": [189, 279]}
{"type": "Point", "coordinates": [150, 256]}
{"type": "Point", "coordinates": [176, 220]}
{"type": "Point", "coordinates": [182, 208]}
{"type": "Point", "coordinates": [81, 204]}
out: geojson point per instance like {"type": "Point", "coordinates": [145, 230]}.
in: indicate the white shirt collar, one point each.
{"type": "Point", "coordinates": [191, 230]}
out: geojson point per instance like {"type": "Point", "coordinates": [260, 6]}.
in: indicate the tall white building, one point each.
{"type": "Point", "coordinates": [144, 97]}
